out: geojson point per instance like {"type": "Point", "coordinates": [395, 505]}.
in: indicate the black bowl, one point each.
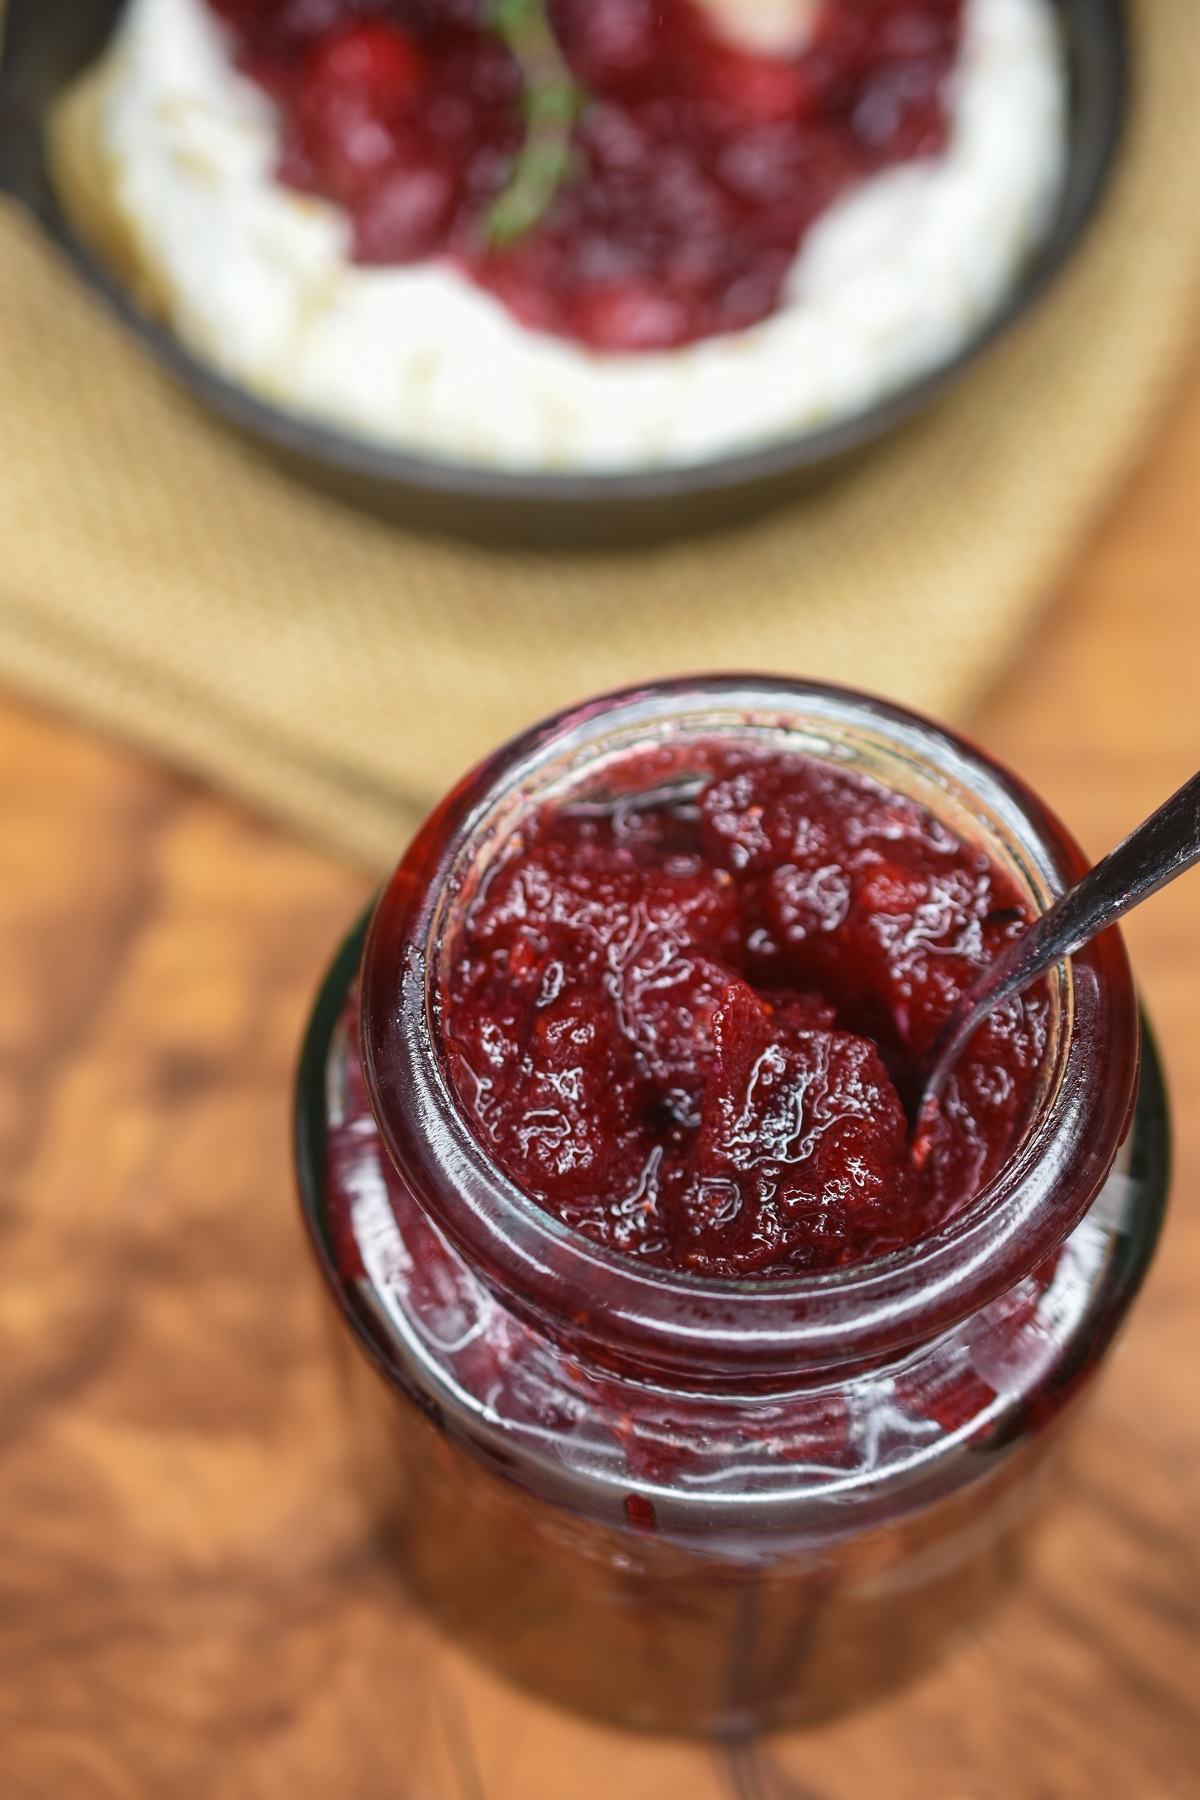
{"type": "Point", "coordinates": [50, 42]}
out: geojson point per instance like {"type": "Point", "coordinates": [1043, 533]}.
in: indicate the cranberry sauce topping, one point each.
{"type": "Point", "coordinates": [693, 168]}
{"type": "Point", "coordinates": [688, 1021]}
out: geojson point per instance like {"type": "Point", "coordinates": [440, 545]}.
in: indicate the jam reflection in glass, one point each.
{"type": "Point", "coordinates": [698, 1395]}
{"type": "Point", "coordinates": [691, 170]}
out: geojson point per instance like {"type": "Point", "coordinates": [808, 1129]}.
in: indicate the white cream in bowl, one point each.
{"type": "Point", "coordinates": [256, 279]}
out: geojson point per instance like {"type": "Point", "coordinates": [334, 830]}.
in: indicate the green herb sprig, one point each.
{"type": "Point", "coordinates": [552, 102]}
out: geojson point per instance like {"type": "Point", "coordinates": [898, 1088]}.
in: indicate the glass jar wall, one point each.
{"type": "Point", "coordinates": [695, 1504]}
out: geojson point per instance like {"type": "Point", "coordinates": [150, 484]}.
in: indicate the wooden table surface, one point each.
{"type": "Point", "coordinates": [190, 1604]}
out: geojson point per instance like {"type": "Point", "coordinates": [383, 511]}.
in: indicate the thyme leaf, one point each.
{"type": "Point", "coordinates": [553, 101]}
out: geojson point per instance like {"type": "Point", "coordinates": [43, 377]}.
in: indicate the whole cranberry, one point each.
{"type": "Point", "coordinates": [405, 213]}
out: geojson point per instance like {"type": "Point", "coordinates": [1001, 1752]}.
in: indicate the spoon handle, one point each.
{"type": "Point", "coordinates": [1163, 846]}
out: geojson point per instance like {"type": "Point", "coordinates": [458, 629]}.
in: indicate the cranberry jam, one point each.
{"type": "Point", "coordinates": [688, 169]}
{"type": "Point", "coordinates": [686, 1016]}
{"type": "Point", "coordinates": [692, 1394]}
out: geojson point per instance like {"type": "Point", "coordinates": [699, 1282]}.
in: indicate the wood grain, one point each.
{"type": "Point", "coordinates": [190, 1603]}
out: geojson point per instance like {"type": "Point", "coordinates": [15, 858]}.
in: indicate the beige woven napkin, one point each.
{"type": "Point", "coordinates": [161, 582]}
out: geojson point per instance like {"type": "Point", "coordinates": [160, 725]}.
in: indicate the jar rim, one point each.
{"type": "Point", "coordinates": [697, 1330]}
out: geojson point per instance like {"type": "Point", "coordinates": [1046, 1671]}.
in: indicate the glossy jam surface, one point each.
{"type": "Point", "coordinates": [381, 1234]}
{"type": "Point", "coordinates": [686, 1014]}
{"type": "Point", "coordinates": [695, 167]}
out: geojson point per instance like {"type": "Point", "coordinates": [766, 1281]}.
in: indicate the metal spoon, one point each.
{"type": "Point", "coordinates": [1162, 847]}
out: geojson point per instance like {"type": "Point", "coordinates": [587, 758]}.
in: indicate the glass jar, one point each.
{"type": "Point", "coordinates": [696, 1504]}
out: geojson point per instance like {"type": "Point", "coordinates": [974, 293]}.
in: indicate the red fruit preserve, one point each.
{"type": "Point", "coordinates": [640, 185]}
{"type": "Point", "coordinates": [699, 1392]}
{"type": "Point", "coordinates": [686, 1017]}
